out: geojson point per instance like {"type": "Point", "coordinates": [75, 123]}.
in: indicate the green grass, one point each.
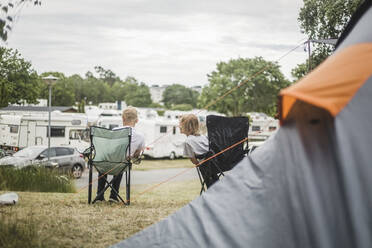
{"type": "Point", "coordinates": [35, 179]}
{"type": "Point", "coordinates": [15, 232]}
{"type": "Point", "coordinates": [66, 220]}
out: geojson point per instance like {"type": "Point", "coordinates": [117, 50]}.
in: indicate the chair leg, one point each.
{"type": "Point", "coordinates": [111, 185]}
{"type": "Point", "coordinates": [127, 175]}
{"type": "Point", "coordinates": [201, 181]}
{"type": "Point", "coordinates": [116, 192]}
{"type": "Point", "coordinates": [102, 192]}
{"type": "Point", "coordinates": [90, 183]}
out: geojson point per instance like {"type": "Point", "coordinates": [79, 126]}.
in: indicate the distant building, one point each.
{"type": "Point", "coordinates": [156, 92]}
{"type": "Point", "coordinates": [197, 88]}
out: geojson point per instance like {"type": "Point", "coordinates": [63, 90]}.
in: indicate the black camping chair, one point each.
{"type": "Point", "coordinates": [223, 132]}
{"type": "Point", "coordinates": [108, 154]}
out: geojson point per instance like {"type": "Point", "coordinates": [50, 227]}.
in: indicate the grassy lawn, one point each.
{"type": "Point", "coordinates": [155, 164]}
{"type": "Point", "coordinates": [66, 220]}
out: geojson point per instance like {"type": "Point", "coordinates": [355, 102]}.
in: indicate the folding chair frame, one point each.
{"type": "Point", "coordinates": [212, 168]}
{"type": "Point", "coordinates": [208, 170]}
{"type": "Point", "coordinates": [127, 169]}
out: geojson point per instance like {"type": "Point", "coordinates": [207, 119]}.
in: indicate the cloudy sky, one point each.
{"type": "Point", "coordinates": [156, 41]}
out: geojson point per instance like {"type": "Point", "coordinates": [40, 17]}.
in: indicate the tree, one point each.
{"type": "Point", "coordinates": [78, 84]}
{"type": "Point", "coordinates": [18, 81]}
{"type": "Point", "coordinates": [97, 91]}
{"type": "Point", "coordinates": [178, 94]}
{"type": "Point", "coordinates": [137, 95]}
{"type": "Point", "coordinates": [107, 76]}
{"type": "Point", "coordinates": [81, 106]}
{"type": "Point", "coordinates": [63, 91]}
{"type": "Point", "coordinates": [323, 19]}
{"type": "Point", "coordinates": [9, 11]}
{"type": "Point", "coordinates": [119, 90]}
{"type": "Point", "coordinates": [260, 84]}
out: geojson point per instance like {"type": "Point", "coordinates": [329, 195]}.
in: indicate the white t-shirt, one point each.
{"type": "Point", "coordinates": [195, 145]}
{"type": "Point", "coordinates": [137, 140]}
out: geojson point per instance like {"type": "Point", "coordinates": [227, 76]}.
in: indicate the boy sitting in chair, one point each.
{"type": "Point", "coordinates": [137, 145]}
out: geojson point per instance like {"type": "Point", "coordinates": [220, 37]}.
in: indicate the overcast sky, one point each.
{"type": "Point", "coordinates": [156, 41]}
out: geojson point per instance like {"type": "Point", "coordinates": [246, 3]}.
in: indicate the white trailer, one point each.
{"type": "Point", "coordinates": [261, 126]}
{"type": "Point", "coordinates": [162, 137]}
{"type": "Point", "coordinates": [19, 131]}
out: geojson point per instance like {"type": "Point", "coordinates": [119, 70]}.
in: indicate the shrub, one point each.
{"type": "Point", "coordinates": [35, 179]}
{"type": "Point", "coordinates": [182, 107]}
{"type": "Point", "coordinates": [160, 112]}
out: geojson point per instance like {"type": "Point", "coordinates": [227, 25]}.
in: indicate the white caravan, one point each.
{"type": "Point", "coordinates": [261, 126]}
{"type": "Point", "coordinates": [110, 122]}
{"type": "Point", "coordinates": [162, 137]}
{"type": "Point", "coordinates": [19, 131]}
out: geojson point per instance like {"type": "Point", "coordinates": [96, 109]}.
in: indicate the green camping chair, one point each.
{"type": "Point", "coordinates": [108, 154]}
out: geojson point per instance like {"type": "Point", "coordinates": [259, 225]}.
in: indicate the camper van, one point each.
{"type": "Point", "coordinates": [162, 137]}
{"type": "Point", "coordinates": [261, 126]}
{"type": "Point", "coordinates": [19, 131]}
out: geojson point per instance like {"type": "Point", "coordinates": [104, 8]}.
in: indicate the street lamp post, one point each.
{"type": "Point", "coordinates": [49, 80]}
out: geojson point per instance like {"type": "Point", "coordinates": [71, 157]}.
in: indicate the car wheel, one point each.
{"type": "Point", "coordinates": [77, 171]}
{"type": "Point", "coordinates": [172, 156]}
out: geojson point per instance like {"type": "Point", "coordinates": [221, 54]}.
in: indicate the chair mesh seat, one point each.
{"type": "Point", "coordinates": [109, 155]}
{"type": "Point", "coordinates": [110, 149]}
{"type": "Point", "coordinates": [223, 132]}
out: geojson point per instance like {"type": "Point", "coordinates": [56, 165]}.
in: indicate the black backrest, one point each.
{"type": "Point", "coordinates": [224, 132]}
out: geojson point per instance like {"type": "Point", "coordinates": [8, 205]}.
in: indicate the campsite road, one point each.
{"type": "Point", "coordinates": [144, 177]}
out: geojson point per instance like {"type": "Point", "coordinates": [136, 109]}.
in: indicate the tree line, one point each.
{"type": "Point", "coordinates": [19, 82]}
{"type": "Point", "coordinates": [258, 81]}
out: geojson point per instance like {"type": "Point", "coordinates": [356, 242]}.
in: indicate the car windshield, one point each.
{"type": "Point", "coordinates": [29, 152]}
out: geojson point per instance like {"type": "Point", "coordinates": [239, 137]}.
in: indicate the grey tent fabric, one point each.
{"type": "Point", "coordinates": [309, 185]}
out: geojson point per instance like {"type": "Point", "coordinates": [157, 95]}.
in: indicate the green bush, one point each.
{"type": "Point", "coordinates": [34, 179]}
{"type": "Point", "coordinates": [182, 107]}
{"type": "Point", "coordinates": [155, 105]}
{"type": "Point", "coordinates": [161, 112]}
{"type": "Point", "coordinates": [16, 232]}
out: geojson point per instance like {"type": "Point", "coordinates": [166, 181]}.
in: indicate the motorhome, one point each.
{"type": "Point", "coordinates": [200, 113]}
{"type": "Point", "coordinates": [20, 131]}
{"type": "Point", "coordinates": [162, 137]}
{"type": "Point", "coordinates": [261, 126]}
{"type": "Point", "coordinates": [110, 122]}
{"type": "Point", "coordinates": [147, 113]}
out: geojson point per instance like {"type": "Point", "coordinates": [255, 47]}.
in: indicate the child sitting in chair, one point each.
{"type": "Point", "coordinates": [196, 145]}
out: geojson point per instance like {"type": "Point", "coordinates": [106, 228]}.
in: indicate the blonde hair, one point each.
{"type": "Point", "coordinates": [190, 124]}
{"type": "Point", "coordinates": [130, 115]}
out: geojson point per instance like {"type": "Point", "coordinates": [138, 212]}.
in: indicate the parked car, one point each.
{"type": "Point", "coordinates": [66, 159]}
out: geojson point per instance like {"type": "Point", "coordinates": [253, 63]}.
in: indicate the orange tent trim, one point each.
{"type": "Point", "coordinates": [333, 83]}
